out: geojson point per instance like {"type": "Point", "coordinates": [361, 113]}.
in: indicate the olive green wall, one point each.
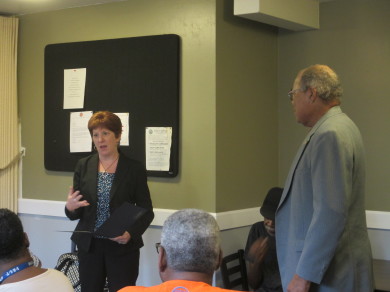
{"type": "Point", "coordinates": [194, 21]}
{"type": "Point", "coordinates": [354, 39]}
{"type": "Point", "coordinates": [228, 135]}
{"type": "Point", "coordinates": [247, 121]}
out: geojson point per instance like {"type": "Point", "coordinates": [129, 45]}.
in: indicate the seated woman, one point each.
{"type": "Point", "coordinates": [17, 269]}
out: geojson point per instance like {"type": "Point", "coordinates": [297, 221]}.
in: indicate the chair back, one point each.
{"type": "Point", "coordinates": [233, 271]}
{"type": "Point", "coordinates": [68, 263]}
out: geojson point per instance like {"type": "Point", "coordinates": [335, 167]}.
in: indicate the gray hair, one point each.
{"type": "Point", "coordinates": [190, 238]}
{"type": "Point", "coordinates": [324, 80]}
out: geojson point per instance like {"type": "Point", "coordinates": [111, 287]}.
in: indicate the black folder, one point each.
{"type": "Point", "coordinates": [122, 219]}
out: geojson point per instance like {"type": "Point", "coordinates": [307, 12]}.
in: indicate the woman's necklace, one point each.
{"type": "Point", "coordinates": [106, 169]}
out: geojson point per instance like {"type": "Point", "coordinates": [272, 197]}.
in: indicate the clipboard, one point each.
{"type": "Point", "coordinates": [122, 219]}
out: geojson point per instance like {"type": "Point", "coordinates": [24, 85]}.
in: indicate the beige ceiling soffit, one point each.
{"type": "Point", "coordinates": [296, 15]}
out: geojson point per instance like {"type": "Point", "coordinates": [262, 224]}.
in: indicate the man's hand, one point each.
{"type": "Point", "coordinates": [298, 284]}
{"type": "Point", "coordinates": [255, 258]}
{"type": "Point", "coordinates": [258, 250]}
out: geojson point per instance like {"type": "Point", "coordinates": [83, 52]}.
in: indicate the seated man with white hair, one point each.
{"type": "Point", "coordinates": [189, 253]}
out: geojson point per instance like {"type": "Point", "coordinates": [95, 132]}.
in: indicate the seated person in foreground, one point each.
{"type": "Point", "coordinates": [17, 270]}
{"type": "Point", "coordinates": [260, 250]}
{"type": "Point", "coordinates": [189, 253]}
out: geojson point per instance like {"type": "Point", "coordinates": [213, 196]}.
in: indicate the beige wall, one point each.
{"type": "Point", "coordinates": [354, 39]}
{"type": "Point", "coordinates": [238, 134]}
{"type": "Point", "coordinates": [247, 123]}
{"type": "Point", "coordinates": [194, 21]}
{"type": "Point", "coordinates": [246, 152]}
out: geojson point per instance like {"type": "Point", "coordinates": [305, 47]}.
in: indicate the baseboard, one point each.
{"type": "Point", "coordinates": [226, 220]}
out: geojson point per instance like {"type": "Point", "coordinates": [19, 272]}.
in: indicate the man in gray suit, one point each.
{"type": "Point", "coordinates": [321, 233]}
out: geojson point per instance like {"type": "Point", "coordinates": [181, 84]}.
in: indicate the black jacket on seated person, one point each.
{"type": "Point", "coordinates": [271, 275]}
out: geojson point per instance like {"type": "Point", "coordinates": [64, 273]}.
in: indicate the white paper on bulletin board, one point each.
{"type": "Point", "coordinates": [158, 141]}
{"type": "Point", "coordinates": [79, 137]}
{"type": "Point", "coordinates": [74, 87]}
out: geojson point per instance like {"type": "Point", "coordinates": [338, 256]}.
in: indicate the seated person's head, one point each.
{"type": "Point", "coordinates": [268, 209]}
{"type": "Point", "coordinates": [13, 240]}
{"type": "Point", "coordinates": [189, 243]}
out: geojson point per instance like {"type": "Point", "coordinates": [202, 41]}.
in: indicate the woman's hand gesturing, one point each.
{"type": "Point", "coordinates": [74, 200]}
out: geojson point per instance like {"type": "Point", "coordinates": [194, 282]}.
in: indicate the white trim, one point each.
{"type": "Point", "coordinates": [42, 207]}
{"type": "Point", "coordinates": [160, 215]}
{"type": "Point", "coordinates": [238, 218]}
{"type": "Point", "coordinates": [378, 219]}
{"type": "Point", "coordinates": [226, 220]}
{"type": "Point", "coordinates": [57, 209]}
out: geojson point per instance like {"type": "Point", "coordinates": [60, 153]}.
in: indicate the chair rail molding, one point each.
{"type": "Point", "coordinates": [226, 220]}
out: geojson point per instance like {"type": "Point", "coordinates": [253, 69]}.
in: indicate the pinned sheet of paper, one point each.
{"type": "Point", "coordinates": [80, 139]}
{"type": "Point", "coordinates": [74, 87]}
{"type": "Point", "coordinates": [158, 141]}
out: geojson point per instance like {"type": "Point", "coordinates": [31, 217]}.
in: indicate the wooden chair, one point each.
{"type": "Point", "coordinates": [233, 271]}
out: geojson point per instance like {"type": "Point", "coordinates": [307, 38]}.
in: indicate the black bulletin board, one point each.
{"type": "Point", "coordinates": [139, 75]}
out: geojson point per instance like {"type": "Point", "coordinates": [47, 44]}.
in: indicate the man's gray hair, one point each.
{"type": "Point", "coordinates": [190, 238]}
{"type": "Point", "coordinates": [324, 80]}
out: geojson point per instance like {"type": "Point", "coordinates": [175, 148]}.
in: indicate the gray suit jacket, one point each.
{"type": "Point", "coordinates": [321, 231]}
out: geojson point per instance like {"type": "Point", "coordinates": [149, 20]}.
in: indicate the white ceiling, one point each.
{"type": "Point", "coordinates": [20, 7]}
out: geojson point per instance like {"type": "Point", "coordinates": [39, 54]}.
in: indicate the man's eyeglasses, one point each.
{"type": "Point", "coordinates": [292, 92]}
{"type": "Point", "coordinates": [158, 244]}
